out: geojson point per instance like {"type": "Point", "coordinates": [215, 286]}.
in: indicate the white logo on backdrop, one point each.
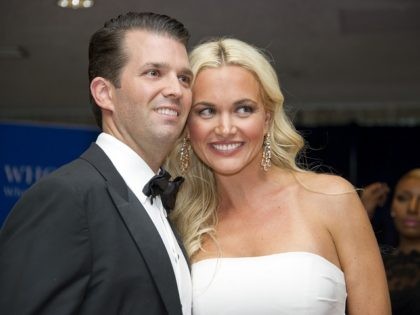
{"type": "Point", "coordinates": [20, 177]}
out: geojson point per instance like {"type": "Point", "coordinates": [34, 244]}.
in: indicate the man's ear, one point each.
{"type": "Point", "coordinates": [102, 91]}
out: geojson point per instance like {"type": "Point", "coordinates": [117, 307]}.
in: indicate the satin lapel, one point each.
{"type": "Point", "coordinates": [141, 228]}
{"type": "Point", "coordinates": [151, 247]}
{"type": "Point", "coordinates": [99, 160]}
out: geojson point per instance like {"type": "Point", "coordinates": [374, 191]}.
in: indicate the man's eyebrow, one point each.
{"type": "Point", "coordinates": [187, 71]}
{"type": "Point", "coordinates": [164, 65]}
{"type": "Point", "coordinates": [158, 65]}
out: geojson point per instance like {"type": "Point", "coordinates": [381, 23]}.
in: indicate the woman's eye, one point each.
{"type": "Point", "coordinates": [245, 110]}
{"type": "Point", "coordinates": [206, 112]}
{"type": "Point", "coordinates": [402, 198]}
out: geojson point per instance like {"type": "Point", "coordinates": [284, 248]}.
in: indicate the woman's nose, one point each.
{"type": "Point", "coordinates": [225, 126]}
{"type": "Point", "coordinates": [413, 206]}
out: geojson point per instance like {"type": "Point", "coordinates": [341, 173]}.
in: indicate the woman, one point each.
{"type": "Point", "coordinates": [403, 265]}
{"type": "Point", "coordinates": [265, 236]}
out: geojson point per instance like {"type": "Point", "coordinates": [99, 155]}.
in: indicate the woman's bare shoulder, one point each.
{"type": "Point", "coordinates": [325, 184]}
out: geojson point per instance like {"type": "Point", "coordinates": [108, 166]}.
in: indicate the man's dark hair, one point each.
{"type": "Point", "coordinates": [106, 53]}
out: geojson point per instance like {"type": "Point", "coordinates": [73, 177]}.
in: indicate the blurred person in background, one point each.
{"type": "Point", "coordinates": [402, 264]}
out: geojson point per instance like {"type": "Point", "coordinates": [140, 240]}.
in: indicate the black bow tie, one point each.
{"type": "Point", "coordinates": [167, 189]}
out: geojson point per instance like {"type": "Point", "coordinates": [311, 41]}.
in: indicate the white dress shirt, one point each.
{"type": "Point", "coordinates": [136, 173]}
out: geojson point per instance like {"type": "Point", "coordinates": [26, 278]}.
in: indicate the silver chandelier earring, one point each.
{"type": "Point", "coordinates": [184, 155]}
{"type": "Point", "coordinates": [266, 158]}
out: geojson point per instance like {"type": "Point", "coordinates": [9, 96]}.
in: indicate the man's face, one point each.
{"type": "Point", "coordinates": [154, 98]}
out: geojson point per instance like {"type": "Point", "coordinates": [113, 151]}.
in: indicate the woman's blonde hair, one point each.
{"type": "Point", "coordinates": [195, 211]}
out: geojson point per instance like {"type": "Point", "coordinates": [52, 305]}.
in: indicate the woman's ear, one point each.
{"type": "Point", "coordinates": [267, 121]}
{"type": "Point", "coordinates": [101, 90]}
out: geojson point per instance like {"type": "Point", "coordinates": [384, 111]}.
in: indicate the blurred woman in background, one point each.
{"type": "Point", "coordinates": [403, 265]}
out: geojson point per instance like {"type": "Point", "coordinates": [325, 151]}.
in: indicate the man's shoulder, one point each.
{"type": "Point", "coordinates": [76, 173]}
{"type": "Point", "coordinates": [78, 169]}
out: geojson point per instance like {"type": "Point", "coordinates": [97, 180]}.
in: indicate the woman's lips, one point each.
{"type": "Point", "coordinates": [411, 222]}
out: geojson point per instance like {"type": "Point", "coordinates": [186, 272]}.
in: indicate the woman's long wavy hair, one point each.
{"type": "Point", "coordinates": [195, 212]}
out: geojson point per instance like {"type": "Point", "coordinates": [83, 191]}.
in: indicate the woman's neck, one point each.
{"type": "Point", "coordinates": [241, 190]}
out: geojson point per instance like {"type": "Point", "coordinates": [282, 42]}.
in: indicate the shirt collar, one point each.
{"type": "Point", "coordinates": [133, 169]}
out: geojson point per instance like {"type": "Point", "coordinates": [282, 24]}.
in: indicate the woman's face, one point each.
{"type": "Point", "coordinates": [406, 207]}
{"type": "Point", "coordinates": [227, 122]}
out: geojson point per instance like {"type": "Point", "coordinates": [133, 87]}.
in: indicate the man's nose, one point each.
{"type": "Point", "coordinates": [173, 88]}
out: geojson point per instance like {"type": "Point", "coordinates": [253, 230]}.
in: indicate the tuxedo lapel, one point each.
{"type": "Point", "coordinates": [140, 227]}
{"type": "Point", "coordinates": [150, 246]}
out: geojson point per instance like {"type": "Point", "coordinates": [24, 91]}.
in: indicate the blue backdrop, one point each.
{"type": "Point", "coordinates": [30, 151]}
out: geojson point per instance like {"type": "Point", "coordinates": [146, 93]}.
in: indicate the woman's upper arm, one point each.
{"type": "Point", "coordinates": [359, 255]}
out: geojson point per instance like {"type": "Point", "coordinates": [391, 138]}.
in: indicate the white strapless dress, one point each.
{"type": "Point", "coordinates": [292, 283]}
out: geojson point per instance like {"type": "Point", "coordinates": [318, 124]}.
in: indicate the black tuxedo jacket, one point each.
{"type": "Point", "coordinates": [80, 242]}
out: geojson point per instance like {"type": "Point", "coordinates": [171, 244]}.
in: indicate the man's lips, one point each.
{"type": "Point", "coordinates": [167, 111]}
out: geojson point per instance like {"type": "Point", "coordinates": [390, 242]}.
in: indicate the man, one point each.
{"type": "Point", "coordinates": [86, 239]}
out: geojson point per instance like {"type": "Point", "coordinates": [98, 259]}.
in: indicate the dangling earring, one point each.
{"type": "Point", "coordinates": [184, 155]}
{"type": "Point", "coordinates": [266, 158]}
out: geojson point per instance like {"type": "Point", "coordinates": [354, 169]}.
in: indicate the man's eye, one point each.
{"type": "Point", "coordinates": [152, 73]}
{"type": "Point", "coordinates": [185, 79]}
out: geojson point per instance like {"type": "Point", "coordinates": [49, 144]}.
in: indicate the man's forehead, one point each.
{"type": "Point", "coordinates": [154, 49]}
